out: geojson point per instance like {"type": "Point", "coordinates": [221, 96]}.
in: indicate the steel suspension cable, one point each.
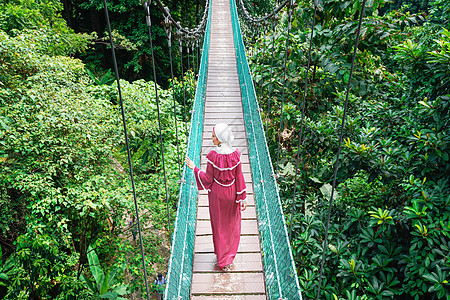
{"type": "Point", "coordinates": [291, 5]}
{"type": "Point", "coordinates": [198, 54]}
{"type": "Point", "coordinates": [130, 164]}
{"type": "Point", "coordinates": [271, 74]}
{"type": "Point", "coordinates": [262, 64]}
{"type": "Point", "coordinates": [344, 116]}
{"type": "Point", "coordinates": [168, 30]}
{"type": "Point", "coordinates": [189, 69]}
{"type": "Point", "coordinates": [255, 46]}
{"type": "Point", "coordinates": [149, 24]}
{"type": "Point", "coordinates": [266, 17]}
{"type": "Point", "coordinates": [180, 41]}
{"type": "Point", "coordinates": [264, 54]}
{"type": "Point", "coordinates": [199, 28]}
{"type": "Point", "coordinates": [194, 53]}
{"type": "Point", "coordinates": [302, 117]}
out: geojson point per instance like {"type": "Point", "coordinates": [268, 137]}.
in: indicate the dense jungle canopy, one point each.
{"type": "Point", "coordinates": [65, 194]}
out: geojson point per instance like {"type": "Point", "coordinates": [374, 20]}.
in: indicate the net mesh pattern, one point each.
{"type": "Point", "coordinates": [279, 268]}
{"type": "Point", "coordinates": [180, 264]}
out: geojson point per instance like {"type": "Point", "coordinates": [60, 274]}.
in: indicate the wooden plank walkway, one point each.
{"type": "Point", "coordinates": [223, 103]}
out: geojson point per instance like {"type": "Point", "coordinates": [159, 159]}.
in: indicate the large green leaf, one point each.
{"type": "Point", "coordinates": [105, 285]}
{"type": "Point", "coordinates": [4, 276]}
{"type": "Point", "coordinates": [91, 287]}
{"type": "Point", "coordinates": [96, 270]}
{"type": "Point", "coordinates": [109, 295]}
{"type": "Point", "coordinates": [121, 290]}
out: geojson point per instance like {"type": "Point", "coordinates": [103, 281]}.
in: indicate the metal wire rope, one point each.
{"type": "Point", "coordinates": [253, 20]}
{"type": "Point", "coordinates": [198, 53]}
{"type": "Point", "coordinates": [271, 74]}
{"type": "Point", "coordinates": [183, 231]}
{"type": "Point", "coordinates": [246, 97]}
{"type": "Point", "coordinates": [168, 30]}
{"type": "Point", "coordinates": [193, 56]}
{"type": "Point", "coordinates": [302, 117]}
{"type": "Point", "coordinates": [291, 5]}
{"type": "Point", "coordinates": [258, 22]}
{"type": "Point", "coordinates": [198, 29]}
{"type": "Point", "coordinates": [253, 123]}
{"type": "Point", "coordinates": [130, 165]}
{"type": "Point", "coordinates": [264, 53]}
{"type": "Point", "coordinates": [180, 42]}
{"type": "Point", "coordinates": [325, 242]}
{"type": "Point", "coordinates": [189, 68]}
{"type": "Point", "coordinates": [149, 24]}
{"type": "Point", "coordinates": [262, 59]}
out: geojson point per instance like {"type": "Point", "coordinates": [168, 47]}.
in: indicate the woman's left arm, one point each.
{"type": "Point", "coordinates": [204, 179]}
{"type": "Point", "coordinates": [241, 188]}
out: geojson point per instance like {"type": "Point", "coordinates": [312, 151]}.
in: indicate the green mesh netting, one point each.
{"type": "Point", "coordinates": [180, 264]}
{"type": "Point", "coordinates": [281, 278]}
{"type": "Point", "coordinates": [279, 268]}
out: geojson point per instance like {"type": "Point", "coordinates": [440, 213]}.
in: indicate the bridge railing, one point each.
{"type": "Point", "coordinates": [179, 274]}
{"type": "Point", "coordinates": [279, 267]}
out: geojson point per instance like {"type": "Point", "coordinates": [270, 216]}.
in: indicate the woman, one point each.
{"type": "Point", "coordinates": [226, 193]}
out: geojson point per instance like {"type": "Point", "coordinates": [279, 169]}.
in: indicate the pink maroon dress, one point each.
{"type": "Point", "coordinates": [226, 189]}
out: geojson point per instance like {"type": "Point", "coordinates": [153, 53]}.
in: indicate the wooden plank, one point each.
{"type": "Point", "coordinates": [223, 109]}
{"type": "Point", "coordinates": [249, 213]}
{"type": "Point", "coordinates": [212, 122]}
{"type": "Point", "coordinates": [227, 283]}
{"type": "Point", "coordinates": [243, 262]}
{"type": "Point", "coordinates": [229, 297]}
{"type": "Point", "coordinates": [248, 243]}
{"type": "Point", "coordinates": [235, 94]}
{"type": "Point", "coordinates": [247, 227]}
{"type": "Point", "coordinates": [203, 199]}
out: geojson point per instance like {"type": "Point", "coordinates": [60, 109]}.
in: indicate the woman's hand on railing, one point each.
{"type": "Point", "coordinates": [189, 163]}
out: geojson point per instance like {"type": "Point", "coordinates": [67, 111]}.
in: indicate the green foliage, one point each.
{"type": "Point", "coordinates": [358, 192]}
{"type": "Point", "coordinates": [104, 284]}
{"type": "Point", "coordinates": [131, 36]}
{"type": "Point", "coordinates": [63, 186]}
{"type": "Point", "coordinates": [389, 232]}
{"type": "Point", "coordinates": [30, 14]}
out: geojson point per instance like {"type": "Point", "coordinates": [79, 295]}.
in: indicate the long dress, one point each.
{"type": "Point", "coordinates": [226, 189]}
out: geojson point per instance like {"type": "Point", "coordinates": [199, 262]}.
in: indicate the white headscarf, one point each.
{"type": "Point", "coordinates": [225, 136]}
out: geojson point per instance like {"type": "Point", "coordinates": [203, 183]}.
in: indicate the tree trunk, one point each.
{"type": "Point", "coordinates": [68, 12]}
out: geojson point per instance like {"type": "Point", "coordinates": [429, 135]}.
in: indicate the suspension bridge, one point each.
{"type": "Point", "coordinates": [264, 267]}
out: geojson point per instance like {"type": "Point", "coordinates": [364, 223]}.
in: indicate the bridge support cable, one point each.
{"type": "Point", "coordinates": [149, 25]}
{"type": "Point", "coordinates": [168, 31]}
{"type": "Point", "coordinates": [336, 166]}
{"type": "Point", "coordinates": [193, 57]}
{"type": "Point", "coordinates": [184, 34]}
{"type": "Point", "coordinates": [179, 274]}
{"type": "Point", "coordinates": [281, 278]}
{"type": "Point", "coordinates": [263, 58]}
{"type": "Point", "coordinates": [255, 22]}
{"type": "Point", "coordinates": [197, 43]}
{"type": "Point", "coordinates": [130, 164]}
{"type": "Point", "coordinates": [189, 68]}
{"type": "Point", "coordinates": [289, 11]}
{"type": "Point", "coordinates": [248, 18]}
{"type": "Point", "coordinates": [180, 41]}
{"type": "Point", "coordinates": [193, 60]}
{"type": "Point", "coordinates": [269, 99]}
{"type": "Point", "coordinates": [300, 142]}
